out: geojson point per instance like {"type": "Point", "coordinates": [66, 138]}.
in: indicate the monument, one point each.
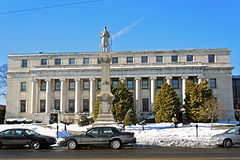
{"type": "Point", "coordinates": [105, 116]}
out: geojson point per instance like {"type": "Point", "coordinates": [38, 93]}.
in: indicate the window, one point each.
{"type": "Point", "coordinates": [85, 60]}
{"type": "Point", "coordinates": [189, 58]}
{"type": "Point", "coordinates": [85, 105]}
{"type": "Point", "coordinates": [43, 85]}
{"type": "Point", "coordinates": [107, 131]}
{"type": "Point", "coordinates": [57, 104]}
{"type": "Point", "coordinates": [115, 83]}
{"type": "Point", "coordinates": [71, 84]}
{"type": "Point", "coordinates": [99, 61]}
{"type": "Point", "coordinates": [42, 105]}
{"type": "Point", "coordinates": [213, 83]}
{"type": "Point", "coordinates": [19, 132]}
{"type": "Point", "coordinates": [174, 58]}
{"type": "Point", "coordinates": [114, 60]}
{"type": "Point", "coordinates": [129, 59]}
{"type": "Point", "coordinates": [43, 62]}
{"type": "Point", "coordinates": [159, 59]}
{"type": "Point", "coordinates": [23, 86]}
{"type": "Point", "coordinates": [145, 104]}
{"type": "Point", "coordinates": [144, 83]}
{"type": "Point", "coordinates": [159, 82]}
{"type": "Point", "coordinates": [175, 83]}
{"type": "Point", "coordinates": [23, 106]}
{"type": "Point", "coordinates": [86, 84]}
{"type": "Point", "coordinates": [58, 61]}
{"type": "Point", "coordinates": [71, 105]}
{"type": "Point", "coordinates": [72, 61]}
{"type": "Point", "coordinates": [99, 84]}
{"type": "Point", "coordinates": [211, 58]}
{"type": "Point", "coordinates": [57, 85]}
{"type": "Point", "coordinates": [144, 59]}
{"type": "Point", "coordinates": [8, 133]}
{"type": "Point", "coordinates": [130, 84]}
{"type": "Point", "coordinates": [24, 63]}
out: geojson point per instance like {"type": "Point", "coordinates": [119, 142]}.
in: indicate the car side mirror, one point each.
{"type": "Point", "coordinates": [237, 133]}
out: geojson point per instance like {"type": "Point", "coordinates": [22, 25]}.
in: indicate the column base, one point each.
{"type": "Point", "coordinates": [104, 120]}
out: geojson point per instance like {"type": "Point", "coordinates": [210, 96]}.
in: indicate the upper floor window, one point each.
{"type": "Point", "coordinates": [23, 106]}
{"type": "Point", "coordinates": [85, 60]}
{"type": "Point", "coordinates": [57, 85]}
{"type": "Point", "coordinates": [57, 104]}
{"type": "Point", "coordinates": [114, 60]}
{"type": "Point", "coordinates": [144, 59]}
{"type": "Point", "coordinates": [24, 63]}
{"type": "Point", "coordinates": [144, 83]}
{"type": "Point", "coordinates": [86, 84]}
{"type": "Point", "coordinates": [42, 105]}
{"type": "Point", "coordinates": [159, 59]}
{"type": "Point", "coordinates": [72, 61]}
{"type": "Point", "coordinates": [71, 84]}
{"type": "Point", "coordinates": [85, 105]}
{"type": "Point", "coordinates": [130, 84]}
{"type": "Point", "coordinates": [57, 61]}
{"type": "Point", "coordinates": [43, 85]}
{"type": "Point", "coordinates": [43, 62]}
{"type": "Point", "coordinates": [211, 58]}
{"type": "Point", "coordinates": [129, 59]}
{"type": "Point", "coordinates": [189, 58]}
{"type": "Point", "coordinates": [115, 83]}
{"type": "Point", "coordinates": [175, 83]}
{"type": "Point", "coordinates": [213, 83]}
{"type": "Point", "coordinates": [159, 82]}
{"type": "Point", "coordinates": [71, 105]}
{"type": "Point", "coordinates": [174, 58]}
{"type": "Point", "coordinates": [23, 86]}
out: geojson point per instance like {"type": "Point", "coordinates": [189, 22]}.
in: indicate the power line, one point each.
{"type": "Point", "coordinates": [47, 7]}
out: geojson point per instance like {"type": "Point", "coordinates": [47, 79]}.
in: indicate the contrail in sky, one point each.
{"type": "Point", "coordinates": [126, 29]}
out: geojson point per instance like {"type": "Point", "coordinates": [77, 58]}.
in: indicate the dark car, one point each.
{"type": "Point", "coordinates": [109, 136]}
{"type": "Point", "coordinates": [25, 137]}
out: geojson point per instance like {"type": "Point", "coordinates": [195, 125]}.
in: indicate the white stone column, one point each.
{"type": "Point", "coordinates": [153, 88]}
{"type": "Point", "coordinates": [92, 95]}
{"type": "Point", "coordinates": [137, 93]}
{"type": "Point", "coordinates": [200, 78]}
{"type": "Point", "coordinates": [169, 80]}
{"type": "Point", "coordinates": [184, 79]}
{"type": "Point", "coordinates": [48, 95]}
{"type": "Point", "coordinates": [77, 95]}
{"type": "Point", "coordinates": [122, 79]}
{"type": "Point", "coordinates": [33, 97]}
{"type": "Point", "coordinates": [62, 96]}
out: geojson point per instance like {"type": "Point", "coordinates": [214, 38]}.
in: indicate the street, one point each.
{"type": "Point", "coordinates": [124, 153]}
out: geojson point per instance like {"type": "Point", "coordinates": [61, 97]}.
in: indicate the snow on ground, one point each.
{"type": "Point", "coordinates": [162, 134]}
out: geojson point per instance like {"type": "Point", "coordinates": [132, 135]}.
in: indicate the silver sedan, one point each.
{"type": "Point", "coordinates": [228, 138]}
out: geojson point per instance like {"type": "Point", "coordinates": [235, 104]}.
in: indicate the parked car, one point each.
{"type": "Point", "coordinates": [228, 138]}
{"type": "Point", "coordinates": [104, 135]}
{"type": "Point", "coordinates": [150, 119]}
{"type": "Point", "coordinates": [25, 137]}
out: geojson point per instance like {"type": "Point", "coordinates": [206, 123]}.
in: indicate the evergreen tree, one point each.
{"type": "Point", "coordinates": [2, 114]}
{"type": "Point", "coordinates": [130, 118]}
{"type": "Point", "coordinates": [196, 95]}
{"type": "Point", "coordinates": [166, 104]}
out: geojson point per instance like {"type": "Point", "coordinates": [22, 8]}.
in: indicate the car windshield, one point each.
{"type": "Point", "coordinates": [30, 132]}
{"type": "Point", "coordinates": [232, 130]}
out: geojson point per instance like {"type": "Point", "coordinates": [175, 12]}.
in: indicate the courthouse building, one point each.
{"type": "Point", "coordinates": [60, 86]}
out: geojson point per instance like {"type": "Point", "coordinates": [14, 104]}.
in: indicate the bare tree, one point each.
{"type": "Point", "coordinates": [3, 79]}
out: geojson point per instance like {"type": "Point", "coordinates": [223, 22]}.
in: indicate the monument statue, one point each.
{"type": "Point", "coordinates": [105, 116]}
{"type": "Point", "coordinates": [105, 40]}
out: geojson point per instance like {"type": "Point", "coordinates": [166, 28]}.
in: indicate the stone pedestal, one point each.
{"type": "Point", "coordinates": [105, 96]}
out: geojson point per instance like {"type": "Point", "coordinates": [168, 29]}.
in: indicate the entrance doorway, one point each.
{"type": "Point", "coordinates": [53, 118]}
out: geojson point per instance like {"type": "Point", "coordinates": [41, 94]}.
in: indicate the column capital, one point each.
{"type": "Point", "coordinates": [184, 77]}
{"type": "Point", "coordinates": [200, 76]}
{"type": "Point", "coordinates": [33, 80]}
{"type": "Point", "coordinates": [153, 78]}
{"type": "Point", "coordinates": [62, 79]}
{"type": "Point", "coordinates": [92, 79]}
{"type": "Point", "coordinates": [122, 78]}
{"type": "Point", "coordinates": [168, 77]}
{"type": "Point", "coordinates": [138, 78]}
{"type": "Point", "coordinates": [77, 79]}
{"type": "Point", "coordinates": [48, 80]}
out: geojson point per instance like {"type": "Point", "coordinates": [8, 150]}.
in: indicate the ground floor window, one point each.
{"type": "Point", "coordinates": [42, 105]}
{"type": "Point", "coordinates": [23, 106]}
{"type": "Point", "coordinates": [145, 104]}
{"type": "Point", "coordinates": [71, 105]}
{"type": "Point", "coordinates": [85, 105]}
{"type": "Point", "coordinates": [57, 104]}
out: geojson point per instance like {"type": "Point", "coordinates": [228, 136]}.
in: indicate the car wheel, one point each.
{"type": "Point", "coordinates": [71, 144]}
{"type": "Point", "coordinates": [227, 143]}
{"type": "Point", "coordinates": [115, 144]}
{"type": "Point", "coordinates": [35, 145]}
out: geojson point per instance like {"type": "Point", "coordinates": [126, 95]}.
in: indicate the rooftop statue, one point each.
{"type": "Point", "coordinates": [105, 40]}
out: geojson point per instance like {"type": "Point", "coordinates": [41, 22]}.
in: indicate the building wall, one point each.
{"type": "Point", "coordinates": [199, 69]}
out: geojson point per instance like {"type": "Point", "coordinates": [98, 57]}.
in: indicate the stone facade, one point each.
{"type": "Point", "coordinates": [60, 86]}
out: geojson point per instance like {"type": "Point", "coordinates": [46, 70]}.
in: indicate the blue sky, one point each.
{"type": "Point", "coordinates": [149, 25]}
